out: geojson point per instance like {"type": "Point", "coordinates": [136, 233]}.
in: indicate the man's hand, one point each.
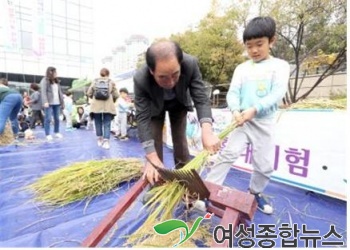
{"type": "Point", "coordinates": [210, 141]}
{"type": "Point", "coordinates": [46, 105]}
{"type": "Point", "coordinates": [150, 172]}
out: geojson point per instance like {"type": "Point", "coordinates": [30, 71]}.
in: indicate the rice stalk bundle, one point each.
{"type": "Point", "coordinates": [84, 180]}
{"type": "Point", "coordinates": [320, 104]}
{"type": "Point", "coordinates": [166, 197]}
{"type": "Point", "coordinates": [7, 137]}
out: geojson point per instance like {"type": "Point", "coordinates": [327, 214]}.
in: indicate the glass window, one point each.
{"type": "Point", "coordinates": [86, 36]}
{"type": "Point", "coordinates": [3, 34]}
{"type": "Point", "coordinates": [73, 71]}
{"type": "Point", "coordinates": [26, 25]}
{"type": "Point", "coordinates": [48, 28]}
{"type": "Point", "coordinates": [73, 11]}
{"type": "Point", "coordinates": [59, 32]}
{"type": "Point", "coordinates": [73, 34]}
{"type": "Point", "coordinates": [59, 7]}
{"type": "Point", "coordinates": [14, 65]}
{"type": "Point", "coordinates": [72, 23]}
{"type": "Point", "coordinates": [27, 54]}
{"type": "Point", "coordinates": [87, 3]}
{"type": "Point", "coordinates": [27, 40]}
{"type": "Point", "coordinates": [48, 44]}
{"type": "Point", "coordinates": [73, 48]}
{"type": "Point", "coordinates": [85, 14]}
{"type": "Point", "coordinates": [29, 67]}
{"type": "Point", "coordinates": [26, 4]}
{"type": "Point", "coordinates": [47, 6]}
{"type": "Point", "coordinates": [86, 49]}
{"type": "Point", "coordinates": [60, 45]}
{"type": "Point", "coordinates": [59, 21]}
{"type": "Point", "coordinates": [2, 61]}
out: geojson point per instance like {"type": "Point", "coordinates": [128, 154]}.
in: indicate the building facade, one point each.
{"type": "Point", "coordinates": [125, 57]}
{"type": "Point", "coordinates": [35, 34]}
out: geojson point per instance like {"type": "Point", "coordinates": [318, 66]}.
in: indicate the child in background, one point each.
{"type": "Point", "coordinates": [36, 106]}
{"type": "Point", "coordinates": [124, 104]}
{"type": "Point", "coordinates": [80, 118]}
{"type": "Point", "coordinates": [90, 122]}
{"type": "Point", "coordinates": [68, 109]}
{"type": "Point", "coordinates": [257, 86]}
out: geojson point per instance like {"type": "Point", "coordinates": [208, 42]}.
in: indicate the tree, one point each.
{"type": "Point", "coordinates": [214, 42]}
{"type": "Point", "coordinates": [306, 28]}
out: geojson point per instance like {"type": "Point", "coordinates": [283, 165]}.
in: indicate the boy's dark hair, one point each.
{"type": "Point", "coordinates": [124, 90]}
{"type": "Point", "coordinates": [260, 27]}
{"type": "Point", "coordinates": [162, 50]}
{"type": "Point", "coordinates": [68, 93]}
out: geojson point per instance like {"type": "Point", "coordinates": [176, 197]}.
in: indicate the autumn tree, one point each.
{"type": "Point", "coordinates": [309, 33]}
{"type": "Point", "coordinates": [308, 29]}
{"type": "Point", "coordinates": [214, 42]}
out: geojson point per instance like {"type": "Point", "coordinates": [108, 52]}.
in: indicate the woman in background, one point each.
{"type": "Point", "coordinates": [52, 100]}
{"type": "Point", "coordinates": [102, 109]}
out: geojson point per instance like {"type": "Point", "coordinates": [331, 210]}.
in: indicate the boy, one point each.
{"type": "Point", "coordinates": [257, 86]}
{"type": "Point", "coordinates": [124, 106]}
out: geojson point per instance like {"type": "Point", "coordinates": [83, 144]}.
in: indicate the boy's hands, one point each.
{"type": "Point", "coordinates": [246, 115]}
{"type": "Point", "coordinates": [237, 118]}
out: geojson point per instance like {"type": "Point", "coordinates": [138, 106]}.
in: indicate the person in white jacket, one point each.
{"type": "Point", "coordinates": [68, 109]}
{"type": "Point", "coordinates": [257, 86]}
{"type": "Point", "coordinates": [124, 104]}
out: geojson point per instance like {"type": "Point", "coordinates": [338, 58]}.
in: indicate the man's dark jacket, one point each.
{"type": "Point", "coordinates": [149, 96]}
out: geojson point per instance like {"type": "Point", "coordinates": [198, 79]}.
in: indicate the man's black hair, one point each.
{"type": "Point", "coordinates": [260, 27]}
{"type": "Point", "coordinates": [162, 50]}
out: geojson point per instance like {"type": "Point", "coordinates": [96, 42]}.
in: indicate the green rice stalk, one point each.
{"type": "Point", "coordinates": [320, 103]}
{"type": "Point", "coordinates": [167, 196]}
{"type": "Point", "coordinates": [84, 180]}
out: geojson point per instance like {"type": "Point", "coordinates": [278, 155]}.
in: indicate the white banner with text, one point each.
{"type": "Point", "coordinates": [309, 152]}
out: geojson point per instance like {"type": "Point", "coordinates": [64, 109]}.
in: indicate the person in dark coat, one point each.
{"type": "Point", "coordinates": [170, 81]}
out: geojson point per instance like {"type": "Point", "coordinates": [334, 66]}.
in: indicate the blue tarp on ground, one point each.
{"type": "Point", "coordinates": [25, 223]}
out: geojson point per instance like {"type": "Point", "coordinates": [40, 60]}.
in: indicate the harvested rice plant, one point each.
{"type": "Point", "coordinates": [6, 137]}
{"type": "Point", "coordinates": [84, 180]}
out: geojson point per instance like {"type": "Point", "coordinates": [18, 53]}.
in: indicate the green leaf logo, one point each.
{"type": "Point", "coordinates": [168, 226]}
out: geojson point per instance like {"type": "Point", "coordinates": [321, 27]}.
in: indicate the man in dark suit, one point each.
{"type": "Point", "coordinates": [170, 81]}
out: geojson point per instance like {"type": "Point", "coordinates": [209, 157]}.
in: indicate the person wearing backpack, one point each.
{"type": "Point", "coordinates": [103, 94]}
